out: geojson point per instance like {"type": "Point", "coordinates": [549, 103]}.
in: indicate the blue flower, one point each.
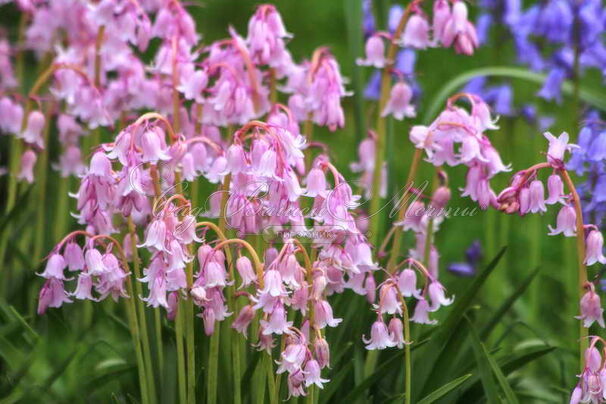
{"type": "Point", "coordinates": [597, 151]}
{"type": "Point", "coordinates": [555, 21]}
{"type": "Point", "coordinates": [373, 87]}
{"type": "Point", "coordinates": [473, 255]}
{"type": "Point", "coordinates": [552, 87]}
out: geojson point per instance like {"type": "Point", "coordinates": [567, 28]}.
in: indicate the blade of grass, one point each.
{"type": "Point", "coordinates": [394, 361]}
{"type": "Point", "coordinates": [437, 103]}
{"type": "Point", "coordinates": [509, 364]}
{"type": "Point", "coordinates": [507, 304]}
{"type": "Point", "coordinates": [442, 391]}
{"type": "Point", "coordinates": [444, 334]}
{"type": "Point", "coordinates": [483, 362]}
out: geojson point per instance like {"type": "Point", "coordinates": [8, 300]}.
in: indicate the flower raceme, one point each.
{"type": "Point", "coordinates": [526, 194]}
{"type": "Point", "coordinates": [456, 126]}
{"type": "Point", "coordinates": [230, 80]}
{"type": "Point", "coordinates": [592, 380]}
{"type": "Point", "coordinates": [393, 292]}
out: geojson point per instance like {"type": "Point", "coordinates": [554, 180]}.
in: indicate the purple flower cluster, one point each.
{"type": "Point", "coordinates": [548, 34]}
{"type": "Point", "coordinates": [456, 126]}
{"type": "Point", "coordinates": [589, 160]}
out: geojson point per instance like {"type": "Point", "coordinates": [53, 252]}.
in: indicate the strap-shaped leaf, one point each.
{"type": "Point", "coordinates": [589, 96]}
{"type": "Point", "coordinates": [442, 391]}
{"type": "Point", "coordinates": [487, 366]}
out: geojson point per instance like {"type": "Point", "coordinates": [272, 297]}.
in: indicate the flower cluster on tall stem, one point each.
{"type": "Point", "coordinates": [450, 27]}
{"type": "Point", "coordinates": [526, 194]}
{"type": "Point", "coordinates": [592, 379]}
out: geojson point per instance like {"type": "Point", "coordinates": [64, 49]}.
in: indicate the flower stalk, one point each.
{"type": "Point", "coordinates": [381, 125]}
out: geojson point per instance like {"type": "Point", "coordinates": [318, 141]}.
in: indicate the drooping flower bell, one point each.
{"type": "Point", "coordinates": [399, 103]}
{"type": "Point", "coordinates": [375, 53]}
{"type": "Point", "coordinates": [594, 246]}
{"type": "Point", "coordinates": [459, 31]}
{"type": "Point", "coordinates": [416, 32]}
{"type": "Point", "coordinates": [591, 308]}
{"type": "Point", "coordinates": [379, 337]}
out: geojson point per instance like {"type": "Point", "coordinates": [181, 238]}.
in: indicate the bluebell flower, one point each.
{"type": "Point", "coordinates": [395, 13]}
{"type": "Point", "coordinates": [599, 194]}
{"type": "Point", "coordinates": [512, 11]}
{"type": "Point", "coordinates": [597, 150]}
{"type": "Point", "coordinates": [373, 87]}
{"type": "Point", "coordinates": [406, 59]}
{"type": "Point", "coordinates": [483, 27]}
{"type": "Point", "coordinates": [473, 255]}
{"type": "Point", "coordinates": [589, 159]}
{"type": "Point", "coordinates": [545, 39]}
{"type": "Point", "coordinates": [405, 62]}
{"type": "Point", "coordinates": [585, 154]}
{"type": "Point", "coordinates": [528, 53]}
{"type": "Point", "coordinates": [503, 100]}
{"type": "Point", "coordinates": [552, 87]}
{"type": "Point", "coordinates": [476, 86]}
{"type": "Point", "coordinates": [591, 22]}
{"type": "Point", "coordinates": [368, 18]}
{"type": "Point", "coordinates": [530, 114]}
{"type": "Point", "coordinates": [555, 21]}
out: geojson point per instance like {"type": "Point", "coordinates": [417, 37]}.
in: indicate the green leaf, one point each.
{"type": "Point", "coordinates": [335, 383]}
{"type": "Point", "coordinates": [108, 373]}
{"type": "Point", "coordinates": [442, 391]}
{"type": "Point", "coordinates": [247, 377]}
{"type": "Point", "coordinates": [437, 103]}
{"type": "Point", "coordinates": [439, 345]}
{"type": "Point", "coordinates": [507, 304]}
{"type": "Point", "coordinates": [464, 302]}
{"type": "Point", "coordinates": [505, 386]}
{"type": "Point", "coordinates": [16, 211]}
{"type": "Point", "coordinates": [379, 372]}
{"type": "Point", "coordinates": [508, 364]}
{"type": "Point", "coordinates": [484, 365]}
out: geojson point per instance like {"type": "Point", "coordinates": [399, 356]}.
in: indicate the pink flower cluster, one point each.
{"type": "Point", "coordinates": [103, 273]}
{"type": "Point", "coordinates": [457, 137]}
{"type": "Point", "coordinates": [526, 194]}
{"type": "Point", "coordinates": [592, 380]}
{"type": "Point", "coordinates": [99, 74]}
{"type": "Point", "coordinates": [392, 294]}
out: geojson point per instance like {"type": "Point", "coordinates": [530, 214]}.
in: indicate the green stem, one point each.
{"type": "Point", "coordinates": [96, 133]}
{"type": "Point", "coordinates": [190, 340]}
{"type": "Point", "coordinates": [181, 374]}
{"type": "Point", "coordinates": [311, 395]}
{"type": "Point", "coordinates": [159, 344]}
{"type": "Point", "coordinates": [15, 146]}
{"type": "Point", "coordinates": [140, 310]}
{"type": "Point", "coordinates": [134, 327]}
{"type": "Point", "coordinates": [235, 340]}
{"type": "Point", "coordinates": [41, 176]}
{"type": "Point", "coordinates": [271, 381]}
{"type": "Point", "coordinates": [62, 208]}
{"type": "Point", "coordinates": [381, 125]}
{"type": "Point", "coordinates": [407, 357]}
{"type": "Point", "coordinates": [403, 205]}
{"type": "Point", "coordinates": [213, 355]}
{"type": "Point", "coordinates": [582, 275]}
{"type": "Point", "coordinates": [213, 365]}
{"type": "Point", "coordinates": [308, 131]}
